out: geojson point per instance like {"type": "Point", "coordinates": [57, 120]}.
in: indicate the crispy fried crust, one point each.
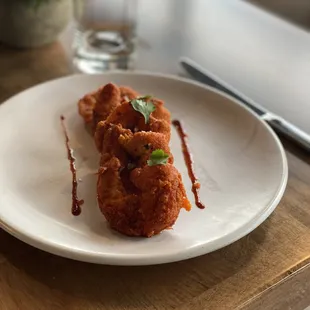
{"type": "Point", "coordinates": [136, 199]}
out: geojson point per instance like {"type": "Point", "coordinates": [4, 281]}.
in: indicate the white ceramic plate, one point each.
{"type": "Point", "coordinates": [239, 161]}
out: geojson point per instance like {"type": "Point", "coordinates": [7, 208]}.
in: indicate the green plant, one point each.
{"type": "Point", "coordinates": [34, 3]}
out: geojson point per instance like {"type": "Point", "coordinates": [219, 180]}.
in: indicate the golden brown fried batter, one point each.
{"type": "Point", "coordinates": [148, 204]}
{"type": "Point", "coordinates": [97, 106]}
{"type": "Point", "coordinates": [128, 93]}
{"type": "Point", "coordinates": [86, 106]}
{"type": "Point", "coordinates": [140, 145]}
{"type": "Point", "coordinates": [136, 199]}
{"type": "Point", "coordinates": [128, 118]}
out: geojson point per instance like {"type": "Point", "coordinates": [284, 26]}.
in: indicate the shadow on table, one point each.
{"type": "Point", "coordinates": [294, 149]}
{"type": "Point", "coordinates": [168, 285]}
{"type": "Point", "coordinates": [23, 68]}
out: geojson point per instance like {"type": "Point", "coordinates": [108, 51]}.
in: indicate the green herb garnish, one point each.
{"type": "Point", "coordinates": [34, 3]}
{"type": "Point", "coordinates": [158, 157]}
{"type": "Point", "coordinates": [143, 106]}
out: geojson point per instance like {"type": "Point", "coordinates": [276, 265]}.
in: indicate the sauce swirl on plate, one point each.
{"type": "Point", "coordinates": [189, 162]}
{"type": "Point", "coordinates": [76, 203]}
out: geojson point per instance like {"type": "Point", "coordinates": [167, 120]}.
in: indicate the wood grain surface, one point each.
{"type": "Point", "coordinates": [21, 69]}
{"type": "Point", "coordinates": [295, 288]}
{"type": "Point", "coordinates": [269, 262]}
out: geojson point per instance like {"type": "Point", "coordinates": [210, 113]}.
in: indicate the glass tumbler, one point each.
{"type": "Point", "coordinates": [105, 34]}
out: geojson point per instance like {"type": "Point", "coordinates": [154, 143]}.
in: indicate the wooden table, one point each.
{"type": "Point", "coordinates": [268, 269]}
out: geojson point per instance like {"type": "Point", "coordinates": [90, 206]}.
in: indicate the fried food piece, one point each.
{"type": "Point", "coordinates": [135, 198]}
{"type": "Point", "coordinates": [86, 106]}
{"type": "Point", "coordinates": [128, 118]}
{"type": "Point", "coordinates": [140, 201]}
{"type": "Point", "coordinates": [128, 93]}
{"type": "Point", "coordinates": [150, 206]}
{"type": "Point", "coordinates": [98, 105]}
{"type": "Point", "coordinates": [140, 145]}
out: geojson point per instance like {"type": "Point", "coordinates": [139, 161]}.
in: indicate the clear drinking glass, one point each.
{"type": "Point", "coordinates": [105, 34]}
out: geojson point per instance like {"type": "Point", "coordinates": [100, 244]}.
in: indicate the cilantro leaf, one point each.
{"type": "Point", "coordinates": [143, 106]}
{"type": "Point", "coordinates": [158, 157]}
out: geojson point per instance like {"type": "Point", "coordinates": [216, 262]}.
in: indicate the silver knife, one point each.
{"type": "Point", "coordinates": [279, 124]}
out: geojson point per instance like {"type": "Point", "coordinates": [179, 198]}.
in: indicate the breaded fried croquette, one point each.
{"type": "Point", "coordinates": [139, 195]}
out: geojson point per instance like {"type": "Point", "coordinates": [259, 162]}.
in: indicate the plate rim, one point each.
{"type": "Point", "coordinates": [141, 259]}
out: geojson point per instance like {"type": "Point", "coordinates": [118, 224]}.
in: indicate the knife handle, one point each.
{"type": "Point", "coordinates": [288, 130]}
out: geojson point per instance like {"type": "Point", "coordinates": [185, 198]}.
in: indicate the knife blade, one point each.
{"type": "Point", "coordinates": [279, 124]}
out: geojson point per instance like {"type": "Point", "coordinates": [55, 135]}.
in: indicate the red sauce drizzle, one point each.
{"type": "Point", "coordinates": [189, 162]}
{"type": "Point", "coordinates": [76, 203]}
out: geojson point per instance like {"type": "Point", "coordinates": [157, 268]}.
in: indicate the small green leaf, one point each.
{"type": "Point", "coordinates": [158, 157]}
{"type": "Point", "coordinates": [35, 4]}
{"type": "Point", "coordinates": [143, 106]}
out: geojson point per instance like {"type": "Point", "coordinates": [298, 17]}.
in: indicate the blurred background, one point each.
{"type": "Point", "coordinates": [235, 40]}
{"type": "Point", "coordinates": [252, 45]}
{"type": "Point", "coordinates": [296, 11]}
